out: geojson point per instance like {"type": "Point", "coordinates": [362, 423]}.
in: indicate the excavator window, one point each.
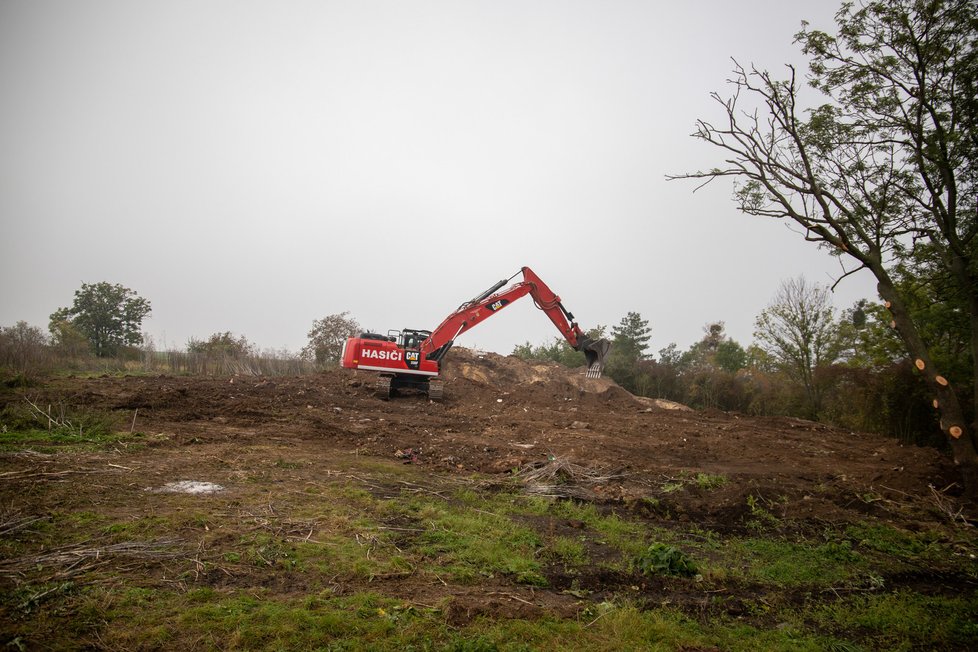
{"type": "Point", "coordinates": [412, 339]}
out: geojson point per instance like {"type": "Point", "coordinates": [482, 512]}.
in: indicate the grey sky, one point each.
{"type": "Point", "coordinates": [252, 166]}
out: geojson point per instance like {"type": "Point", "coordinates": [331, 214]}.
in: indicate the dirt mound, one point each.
{"type": "Point", "coordinates": [495, 369]}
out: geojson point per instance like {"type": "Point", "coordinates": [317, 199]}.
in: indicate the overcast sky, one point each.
{"type": "Point", "coordinates": [252, 166]}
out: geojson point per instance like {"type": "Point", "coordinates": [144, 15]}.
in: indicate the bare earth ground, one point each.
{"type": "Point", "coordinates": [264, 439]}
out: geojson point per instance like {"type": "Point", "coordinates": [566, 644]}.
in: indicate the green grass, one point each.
{"type": "Point", "coordinates": [60, 440]}
{"type": "Point", "coordinates": [263, 568]}
{"type": "Point", "coordinates": [568, 551]}
{"type": "Point", "coordinates": [895, 620]}
{"type": "Point", "coordinates": [630, 537]}
{"type": "Point", "coordinates": [140, 618]}
{"type": "Point", "coordinates": [794, 564]}
{"type": "Point", "coordinates": [892, 541]}
{"type": "Point", "coordinates": [473, 544]}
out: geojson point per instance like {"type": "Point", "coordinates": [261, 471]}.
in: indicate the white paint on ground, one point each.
{"type": "Point", "coordinates": [189, 487]}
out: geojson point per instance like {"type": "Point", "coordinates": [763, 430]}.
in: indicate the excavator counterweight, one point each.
{"type": "Point", "coordinates": [412, 358]}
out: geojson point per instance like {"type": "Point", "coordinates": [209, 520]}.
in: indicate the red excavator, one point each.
{"type": "Point", "coordinates": [412, 358]}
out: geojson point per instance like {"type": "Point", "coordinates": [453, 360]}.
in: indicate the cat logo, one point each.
{"type": "Point", "coordinates": [412, 356]}
{"type": "Point", "coordinates": [498, 305]}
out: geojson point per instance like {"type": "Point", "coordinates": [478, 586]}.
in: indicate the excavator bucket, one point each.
{"type": "Point", "coordinates": [595, 352]}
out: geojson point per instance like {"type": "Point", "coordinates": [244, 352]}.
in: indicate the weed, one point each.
{"type": "Point", "coordinates": [708, 482]}
{"type": "Point", "coordinates": [761, 516]}
{"type": "Point", "coordinates": [661, 559]}
{"type": "Point", "coordinates": [703, 481]}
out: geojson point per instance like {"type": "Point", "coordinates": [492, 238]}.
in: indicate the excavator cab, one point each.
{"type": "Point", "coordinates": [412, 339]}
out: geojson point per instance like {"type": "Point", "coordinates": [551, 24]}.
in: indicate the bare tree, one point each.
{"type": "Point", "coordinates": [883, 173]}
{"type": "Point", "coordinates": [798, 329]}
{"type": "Point", "coordinates": [23, 348]}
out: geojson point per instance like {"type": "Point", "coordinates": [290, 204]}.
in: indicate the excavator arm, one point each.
{"type": "Point", "coordinates": [487, 304]}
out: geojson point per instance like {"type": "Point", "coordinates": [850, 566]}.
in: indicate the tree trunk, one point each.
{"type": "Point", "coordinates": [959, 433]}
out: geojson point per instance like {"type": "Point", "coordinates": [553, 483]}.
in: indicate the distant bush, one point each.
{"type": "Point", "coordinates": [24, 350]}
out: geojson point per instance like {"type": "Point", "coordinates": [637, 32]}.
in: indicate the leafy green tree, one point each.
{"type": "Point", "coordinates": [731, 356]}
{"type": "Point", "coordinates": [630, 339]}
{"type": "Point", "coordinates": [798, 330]}
{"type": "Point", "coordinates": [670, 355]}
{"type": "Point", "coordinates": [715, 351]}
{"type": "Point", "coordinates": [223, 345]}
{"type": "Point", "coordinates": [68, 340]}
{"type": "Point", "coordinates": [708, 370]}
{"type": "Point", "coordinates": [327, 337]}
{"type": "Point", "coordinates": [868, 340]}
{"type": "Point", "coordinates": [884, 172]}
{"type": "Point", "coordinates": [631, 336]}
{"type": "Point", "coordinates": [107, 315]}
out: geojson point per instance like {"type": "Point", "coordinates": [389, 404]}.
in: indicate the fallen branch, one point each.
{"type": "Point", "coordinates": [563, 470]}
{"type": "Point", "coordinates": [946, 505]}
{"type": "Point", "coordinates": [70, 560]}
{"type": "Point", "coordinates": [560, 478]}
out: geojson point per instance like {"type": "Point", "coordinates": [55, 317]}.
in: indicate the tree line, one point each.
{"type": "Point", "coordinates": [102, 329]}
{"type": "Point", "coordinates": [806, 360]}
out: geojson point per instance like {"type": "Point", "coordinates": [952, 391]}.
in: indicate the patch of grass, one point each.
{"type": "Point", "coordinates": [53, 441]}
{"type": "Point", "coordinates": [471, 544]}
{"type": "Point", "coordinates": [60, 422]}
{"type": "Point", "coordinates": [627, 536]}
{"type": "Point", "coordinates": [790, 564]}
{"type": "Point", "coordinates": [894, 550]}
{"type": "Point", "coordinates": [265, 550]}
{"type": "Point", "coordinates": [888, 540]}
{"type": "Point", "coordinates": [568, 551]}
{"type": "Point", "coordinates": [904, 620]}
{"type": "Point", "coordinates": [137, 528]}
{"type": "Point", "coordinates": [707, 481]}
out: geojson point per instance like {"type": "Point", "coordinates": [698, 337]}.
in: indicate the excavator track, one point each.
{"type": "Point", "coordinates": [383, 387]}
{"type": "Point", "coordinates": [436, 389]}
